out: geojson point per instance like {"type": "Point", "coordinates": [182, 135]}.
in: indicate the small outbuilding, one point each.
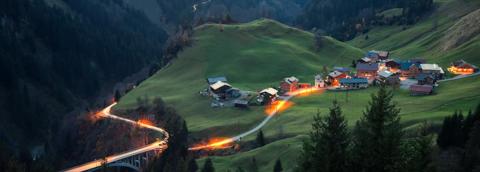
{"type": "Point", "coordinates": [433, 69]}
{"type": "Point", "coordinates": [240, 103]}
{"type": "Point", "coordinates": [425, 79]}
{"type": "Point", "coordinates": [419, 90]}
{"type": "Point", "coordinates": [387, 77]}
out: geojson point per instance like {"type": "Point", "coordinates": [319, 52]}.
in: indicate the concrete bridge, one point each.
{"type": "Point", "coordinates": [135, 160]}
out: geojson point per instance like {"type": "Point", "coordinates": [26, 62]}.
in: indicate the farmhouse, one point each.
{"type": "Point", "coordinates": [220, 88]}
{"type": "Point", "coordinates": [289, 84]}
{"type": "Point", "coordinates": [418, 90]}
{"type": "Point", "coordinates": [392, 64]}
{"type": "Point", "coordinates": [270, 92]}
{"type": "Point", "coordinates": [354, 83]}
{"type": "Point", "coordinates": [213, 80]}
{"type": "Point", "coordinates": [387, 77]}
{"type": "Point", "coordinates": [368, 71]}
{"type": "Point", "coordinates": [409, 69]}
{"type": "Point", "coordinates": [433, 69]}
{"type": "Point", "coordinates": [461, 67]}
{"type": "Point", "coordinates": [334, 77]}
{"type": "Point", "coordinates": [365, 60]}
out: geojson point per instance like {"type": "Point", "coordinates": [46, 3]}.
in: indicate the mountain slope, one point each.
{"type": "Point", "coordinates": [449, 33]}
{"type": "Point", "coordinates": [252, 56]}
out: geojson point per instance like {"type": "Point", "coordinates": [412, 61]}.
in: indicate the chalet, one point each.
{"type": "Point", "coordinates": [425, 79]}
{"type": "Point", "coordinates": [220, 88]}
{"type": "Point", "coordinates": [409, 69]}
{"type": "Point", "coordinates": [267, 95]}
{"type": "Point", "coordinates": [213, 80]}
{"type": "Point", "coordinates": [418, 90]}
{"type": "Point", "coordinates": [354, 83]}
{"type": "Point", "coordinates": [433, 69]}
{"type": "Point", "coordinates": [388, 77]}
{"type": "Point", "coordinates": [335, 76]}
{"type": "Point", "coordinates": [392, 64]}
{"type": "Point", "coordinates": [461, 67]}
{"type": "Point", "coordinates": [289, 84]}
{"type": "Point", "coordinates": [319, 82]}
{"type": "Point", "coordinates": [368, 71]}
{"type": "Point", "coordinates": [418, 61]}
{"type": "Point", "coordinates": [270, 92]}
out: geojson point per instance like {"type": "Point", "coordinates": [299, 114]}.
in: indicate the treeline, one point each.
{"type": "Point", "coordinates": [378, 143]}
{"type": "Point", "coordinates": [52, 57]}
{"type": "Point", "coordinates": [344, 19]}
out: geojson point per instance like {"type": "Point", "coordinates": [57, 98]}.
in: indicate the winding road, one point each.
{"type": "Point", "coordinates": [162, 144]}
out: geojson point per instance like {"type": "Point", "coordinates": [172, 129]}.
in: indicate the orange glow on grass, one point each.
{"type": "Point", "coordinates": [305, 92]}
{"type": "Point", "coordinates": [277, 106]}
{"type": "Point", "coordinates": [214, 144]}
{"type": "Point", "coordinates": [143, 122]}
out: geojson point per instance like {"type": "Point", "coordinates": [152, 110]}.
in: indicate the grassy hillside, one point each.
{"type": "Point", "coordinates": [259, 54]}
{"type": "Point", "coordinates": [253, 56]}
{"type": "Point", "coordinates": [429, 37]}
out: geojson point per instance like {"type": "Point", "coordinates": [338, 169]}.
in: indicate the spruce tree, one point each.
{"type": "Point", "coordinates": [327, 149]}
{"type": "Point", "coordinates": [192, 165]}
{"type": "Point", "coordinates": [117, 96]}
{"type": "Point", "coordinates": [471, 159]}
{"type": "Point", "coordinates": [208, 166]}
{"type": "Point", "coordinates": [377, 135]}
{"type": "Point", "coordinates": [278, 166]}
{"type": "Point", "coordinates": [260, 139]}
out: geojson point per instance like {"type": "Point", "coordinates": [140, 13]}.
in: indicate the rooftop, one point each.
{"type": "Point", "coordinates": [367, 67]}
{"type": "Point", "coordinates": [212, 80]}
{"type": "Point", "coordinates": [219, 84]}
{"type": "Point", "coordinates": [354, 81]}
{"type": "Point", "coordinates": [421, 88]}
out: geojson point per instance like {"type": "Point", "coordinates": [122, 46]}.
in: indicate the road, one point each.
{"type": "Point", "coordinates": [460, 77]}
{"type": "Point", "coordinates": [260, 125]}
{"type": "Point", "coordinates": [162, 144]}
{"type": "Point", "coordinates": [158, 145]}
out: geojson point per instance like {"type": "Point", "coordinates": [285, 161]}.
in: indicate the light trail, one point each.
{"type": "Point", "coordinates": [306, 91]}
{"type": "Point", "coordinates": [158, 145]}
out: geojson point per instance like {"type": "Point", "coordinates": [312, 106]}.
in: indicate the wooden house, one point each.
{"type": "Point", "coordinates": [461, 67]}
{"type": "Point", "coordinates": [393, 65]}
{"type": "Point", "coordinates": [368, 71]}
{"type": "Point", "coordinates": [387, 77]}
{"type": "Point", "coordinates": [334, 77]}
{"type": "Point", "coordinates": [409, 69]}
{"type": "Point", "coordinates": [289, 84]}
{"type": "Point", "coordinates": [220, 88]}
{"type": "Point", "coordinates": [418, 90]}
{"type": "Point", "coordinates": [433, 69]}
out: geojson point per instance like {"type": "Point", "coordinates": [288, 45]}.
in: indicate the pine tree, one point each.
{"type": "Point", "coordinates": [278, 166]}
{"type": "Point", "coordinates": [253, 165]}
{"type": "Point", "coordinates": [418, 150]}
{"type": "Point", "coordinates": [117, 96]}
{"type": "Point", "coordinates": [451, 134]}
{"type": "Point", "coordinates": [377, 135]}
{"type": "Point", "coordinates": [208, 166]}
{"type": "Point", "coordinates": [260, 139]}
{"type": "Point", "coordinates": [471, 158]}
{"type": "Point", "coordinates": [192, 165]}
{"type": "Point", "coordinates": [327, 149]}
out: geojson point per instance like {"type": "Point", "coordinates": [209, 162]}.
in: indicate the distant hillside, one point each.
{"type": "Point", "coordinates": [449, 33]}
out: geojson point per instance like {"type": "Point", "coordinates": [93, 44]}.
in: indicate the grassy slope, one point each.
{"type": "Point", "coordinates": [424, 39]}
{"type": "Point", "coordinates": [253, 56]}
